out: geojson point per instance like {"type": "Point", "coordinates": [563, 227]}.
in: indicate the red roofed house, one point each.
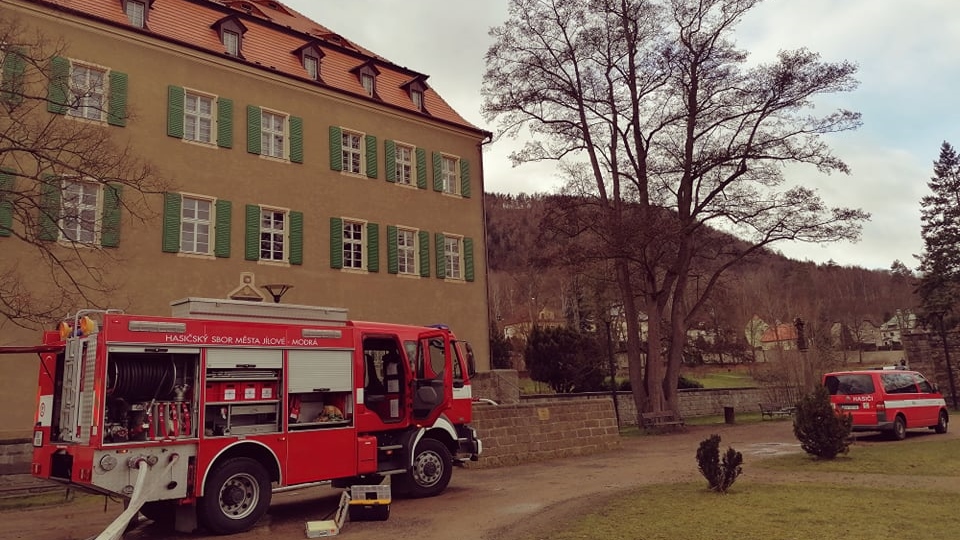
{"type": "Point", "coordinates": [293, 156]}
{"type": "Point", "coordinates": [779, 336]}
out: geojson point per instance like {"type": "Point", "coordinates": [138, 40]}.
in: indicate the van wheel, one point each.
{"type": "Point", "coordinates": [941, 426]}
{"type": "Point", "coordinates": [899, 429]}
{"type": "Point", "coordinates": [236, 496]}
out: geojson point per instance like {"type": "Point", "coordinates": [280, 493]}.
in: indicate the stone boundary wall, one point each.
{"type": "Point", "coordinates": [500, 385]}
{"type": "Point", "coordinates": [15, 456]}
{"type": "Point", "coordinates": [526, 432]}
{"type": "Point", "coordinates": [926, 354]}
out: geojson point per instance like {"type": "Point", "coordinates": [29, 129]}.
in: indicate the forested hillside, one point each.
{"type": "Point", "coordinates": [529, 278]}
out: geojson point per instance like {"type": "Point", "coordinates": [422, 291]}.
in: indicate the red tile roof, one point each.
{"type": "Point", "coordinates": [780, 332]}
{"type": "Point", "coordinates": [274, 32]}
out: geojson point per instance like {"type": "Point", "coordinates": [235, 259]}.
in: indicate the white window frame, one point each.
{"type": "Point", "coordinates": [453, 256]}
{"type": "Point", "coordinates": [273, 138]}
{"type": "Point", "coordinates": [191, 220]}
{"type": "Point", "coordinates": [136, 13]}
{"type": "Point", "coordinates": [405, 164]}
{"type": "Point", "coordinates": [349, 152]}
{"type": "Point", "coordinates": [73, 226]}
{"type": "Point", "coordinates": [270, 234]}
{"type": "Point", "coordinates": [197, 117]}
{"type": "Point", "coordinates": [90, 100]}
{"type": "Point", "coordinates": [450, 174]}
{"type": "Point", "coordinates": [354, 244]}
{"type": "Point", "coordinates": [407, 252]}
{"type": "Point", "coordinates": [312, 65]}
{"type": "Point", "coordinates": [231, 42]}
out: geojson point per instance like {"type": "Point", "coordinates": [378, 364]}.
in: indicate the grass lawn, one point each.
{"type": "Point", "coordinates": [789, 510]}
{"type": "Point", "coordinates": [723, 379]}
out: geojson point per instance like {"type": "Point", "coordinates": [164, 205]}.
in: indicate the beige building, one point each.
{"type": "Point", "coordinates": [287, 154]}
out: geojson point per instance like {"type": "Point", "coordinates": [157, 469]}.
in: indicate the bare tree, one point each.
{"type": "Point", "coordinates": [53, 159]}
{"type": "Point", "coordinates": [663, 129]}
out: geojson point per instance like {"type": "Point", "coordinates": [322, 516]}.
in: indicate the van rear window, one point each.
{"type": "Point", "coordinates": [852, 384]}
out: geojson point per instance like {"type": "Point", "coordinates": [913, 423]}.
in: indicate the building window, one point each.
{"type": "Point", "coordinates": [87, 90]}
{"type": "Point", "coordinates": [404, 164]}
{"type": "Point", "coordinates": [272, 134]}
{"type": "Point", "coordinates": [136, 12]}
{"type": "Point", "coordinates": [353, 244]}
{"type": "Point", "coordinates": [407, 251]}
{"type": "Point", "coordinates": [195, 225]}
{"type": "Point", "coordinates": [197, 118]}
{"type": "Point", "coordinates": [78, 212]}
{"type": "Point", "coordinates": [312, 65]}
{"type": "Point", "coordinates": [352, 144]}
{"type": "Point", "coordinates": [452, 258]}
{"type": "Point", "coordinates": [368, 83]}
{"type": "Point", "coordinates": [417, 97]}
{"type": "Point", "coordinates": [231, 41]}
{"type": "Point", "coordinates": [450, 174]}
{"type": "Point", "coordinates": [272, 235]}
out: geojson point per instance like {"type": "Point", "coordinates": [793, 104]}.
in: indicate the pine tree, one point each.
{"type": "Point", "coordinates": [939, 286]}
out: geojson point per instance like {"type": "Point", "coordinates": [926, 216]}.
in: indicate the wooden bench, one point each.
{"type": "Point", "coordinates": [651, 420]}
{"type": "Point", "coordinates": [775, 411]}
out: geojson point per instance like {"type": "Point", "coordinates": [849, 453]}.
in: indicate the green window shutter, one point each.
{"type": "Point", "coordinates": [468, 268]}
{"type": "Point", "coordinates": [423, 244]}
{"type": "Point", "coordinates": [296, 237]}
{"type": "Point", "coordinates": [11, 81]}
{"type": "Point", "coordinates": [253, 129]}
{"type": "Point", "coordinates": [465, 178]}
{"type": "Point", "coordinates": [390, 160]}
{"type": "Point", "coordinates": [6, 206]}
{"type": "Point", "coordinates": [117, 103]}
{"type": "Point", "coordinates": [224, 123]}
{"type": "Point", "coordinates": [393, 263]}
{"type": "Point", "coordinates": [252, 240]}
{"type": "Point", "coordinates": [172, 208]}
{"type": "Point", "coordinates": [336, 243]}
{"type": "Point", "coordinates": [373, 247]}
{"type": "Point", "coordinates": [371, 143]}
{"type": "Point", "coordinates": [421, 168]}
{"type": "Point", "coordinates": [110, 231]}
{"type": "Point", "coordinates": [336, 148]}
{"type": "Point", "coordinates": [437, 172]}
{"type": "Point", "coordinates": [224, 210]}
{"type": "Point", "coordinates": [441, 259]}
{"type": "Point", "coordinates": [296, 139]}
{"type": "Point", "coordinates": [50, 208]}
{"type": "Point", "coordinates": [175, 106]}
{"type": "Point", "coordinates": [59, 85]}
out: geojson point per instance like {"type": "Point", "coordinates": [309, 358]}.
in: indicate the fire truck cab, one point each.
{"type": "Point", "coordinates": [199, 417]}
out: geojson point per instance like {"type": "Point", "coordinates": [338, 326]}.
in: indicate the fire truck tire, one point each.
{"type": "Point", "coordinates": [236, 496]}
{"type": "Point", "coordinates": [942, 423]}
{"type": "Point", "coordinates": [430, 473]}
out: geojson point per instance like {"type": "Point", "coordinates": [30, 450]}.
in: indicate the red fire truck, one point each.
{"type": "Point", "coordinates": [200, 417]}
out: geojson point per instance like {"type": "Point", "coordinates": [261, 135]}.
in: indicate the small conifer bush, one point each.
{"type": "Point", "coordinates": [720, 474]}
{"type": "Point", "coordinates": [821, 431]}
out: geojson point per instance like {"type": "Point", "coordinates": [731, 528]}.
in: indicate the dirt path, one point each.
{"type": "Point", "coordinates": [484, 504]}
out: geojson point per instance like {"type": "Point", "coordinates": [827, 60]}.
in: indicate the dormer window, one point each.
{"type": "Point", "coordinates": [231, 41]}
{"type": "Point", "coordinates": [367, 75]}
{"type": "Point", "coordinates": [310, 56]}
{"type": "Point", "coordinates": [368, 83]}
{"type": "Point", "coordinates": [231, 35]}
{"type": "Point", "coordinates": [136, 11]}
{"type": "Point", "coordinates": [416, 88]}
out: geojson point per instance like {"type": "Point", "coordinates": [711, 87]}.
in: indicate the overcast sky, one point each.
{"type": "Point", "coordinates": [909, 78]}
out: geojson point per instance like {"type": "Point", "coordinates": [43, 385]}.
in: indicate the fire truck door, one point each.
{"type": "Point", "coordinates": [432, 383]}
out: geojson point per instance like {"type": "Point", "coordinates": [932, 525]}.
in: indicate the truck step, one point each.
{"type": "Point", "coordinates": [390, 447]}
{"type": "Point", "coordinates": [392, 471]}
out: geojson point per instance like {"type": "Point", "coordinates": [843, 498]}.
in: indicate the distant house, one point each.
{"type": "Point", "coordinates": [891, 332]}
{"type": "Point", "coordinates": [782, 337]}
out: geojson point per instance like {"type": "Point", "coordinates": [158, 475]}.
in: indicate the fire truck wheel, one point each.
{"type": "Point", "coordinates": [941, 426]}
{"type": "Point", "coordinates": [430, 474]}
{"type": "Point", "coordinates": [236, 496]}
{"type": "Point", "coordinates": [899, 432]}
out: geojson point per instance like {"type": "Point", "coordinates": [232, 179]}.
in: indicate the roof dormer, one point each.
{"type": "Point", "coordinates": [367, 74]}
{"type": "Point", "coordinates": [247, 7]}
{"type": "Point", "coordinates": [231, 32]}
{"type": "Point", "coordinates": [310, 56]}
{"type": "Point", "coordinates": [137, 11]}
{"type": "Point", "coordinates": [416, 88]}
